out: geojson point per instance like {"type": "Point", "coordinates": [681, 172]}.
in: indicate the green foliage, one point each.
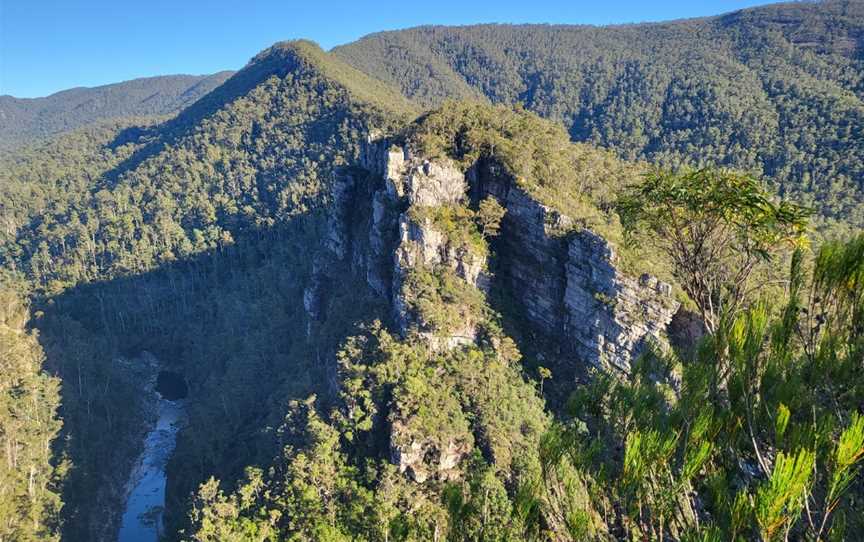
{"type": "Point", "coordinates": [537, 154]}
{"type": "Point", "coordinates": [311, 492]}
{"type": "Point", "coordinates": [29, 475]}
{"type": "Point", "coordinates": [760, 426]}
{"type": "Point", "coordinates": [489, 215]}
{"type": "Point", "coordinates": [192, 238]}
{"type": "Point", "coordinates": [335, 480]}
{"type": "Point", "coordinates": [28, 120]}
{"type": "Point", "coordinates": [780, 500]}
{"type": "Point", "coordinates": [212, 214]}
{"type": "Point", "coordinates": [220, 171]}
{"type": "Point", "coordinates": [848, 453]}
{"type": "Point", "coordinates": [442, 301]}
{"type": "Point", "coordinates": [717, 227]}
{"type": "Point", "coordinates": [775, 90]}
{"type": "Point", "coordinates": [481, 509]}
{"type": "Point", "coordinates": [578, 181]}
{"type": "Point", "coordinates": [463, 227]}
{"type": "Point", "coordinates": [363, 87]}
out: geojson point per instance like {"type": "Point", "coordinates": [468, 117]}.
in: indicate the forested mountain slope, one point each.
{"type": "Point", "coordinates": [776, 90]}
{"type": "Point", "coordinates": [30, 478]}
{"type": "Point", "coordinates": [197, 239]}
{"type": "Point", "coordinates": [401, 324]}
{"type": "Point", "coordinates": [212, 212]}
{"type": "Point", "coordinates": [24, 120]}
{"type": "Point", "coordinates": [254, 179]}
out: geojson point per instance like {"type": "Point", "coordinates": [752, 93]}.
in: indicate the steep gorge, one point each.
{"type": "Point", "coordinates": [403, 225]}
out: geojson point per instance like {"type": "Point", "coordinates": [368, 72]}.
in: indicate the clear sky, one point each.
{"type": "Point", "coordinates": [50, 45]}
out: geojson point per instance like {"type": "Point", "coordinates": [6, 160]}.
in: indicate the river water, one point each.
{"type": "Point", "coordinates": [142, 518]}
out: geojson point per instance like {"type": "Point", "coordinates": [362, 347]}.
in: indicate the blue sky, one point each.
{"type": "Point", "coordinates": [50, 45]}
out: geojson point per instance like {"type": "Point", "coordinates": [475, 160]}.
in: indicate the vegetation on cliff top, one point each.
{"type": "Point", "coordinates": [775, 90]}
{"type": "Point", "coordinates": [579, 181]}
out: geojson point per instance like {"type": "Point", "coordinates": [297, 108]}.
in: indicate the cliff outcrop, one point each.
{"type": "Point", "coordinates": [405, 226]}
{"type": "Point", "coordinates": [566, 282]}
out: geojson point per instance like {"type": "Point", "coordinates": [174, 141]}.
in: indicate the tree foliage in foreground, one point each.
{"type": "Point", "coordinates": [717, 227]}
{"type": "Point", "coordinates": [774, 455]}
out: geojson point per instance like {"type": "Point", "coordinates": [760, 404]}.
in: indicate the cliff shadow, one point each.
{"type": "Point", "coordinates": [527, 287]}
{"type": "Point", "coordinates": [230, 320]}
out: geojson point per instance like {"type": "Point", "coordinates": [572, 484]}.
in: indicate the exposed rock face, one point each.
{"type": "Point", "coordinates": [568, 286]}
{"type": "Point", "coordinates": [314, 296]}
{"type": "Point", "coordinates": [362, 225]}
{"type": "Point", "coordinates": [686, 329]}
{"type": "Point", "coordinates": [610, 317]}
{"type": "Point", "coordinates": [532, 258]}
{"type": "Point", "coordinates": [428, 184]}
{"type": "Point", "coordinates": [566, 283]}
{"type": "Point", "coordinates": [425, 459]}
{"type": "Point", "coordinates": [388, 243]}
{"type": "Point", "coordinates": [420, 244]}
{"type": "Point", "coordinates": [343, 191]}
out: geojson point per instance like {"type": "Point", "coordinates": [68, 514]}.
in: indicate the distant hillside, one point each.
{"type": "Point", "coordinates": [24, 119]}
{"type": "Point", "coordinates": [777, 90]}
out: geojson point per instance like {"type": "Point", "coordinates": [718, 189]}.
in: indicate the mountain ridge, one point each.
{"type": "Point", "coordinates": [774, 90]}
{"type": "Point", "coordinates": [146, 78]}
{"type": "Point", "coordinates": [747, 90]}
{"type": "Point", "coordinates": [29, 119]}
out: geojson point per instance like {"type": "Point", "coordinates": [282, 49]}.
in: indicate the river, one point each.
{"type": "Point", "coordinates": [142, 516]}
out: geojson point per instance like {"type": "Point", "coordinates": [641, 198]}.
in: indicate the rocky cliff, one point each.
{"type": "Point", "coordinates": [405, 226]}
{"type": "Point", "coordinates": [379, 226]}
{"type": "Point", "coordinates": [566, 281]}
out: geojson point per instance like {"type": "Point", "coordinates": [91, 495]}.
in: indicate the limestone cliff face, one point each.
{"type": "Point", "coordinates": [429, 457]}
{"type": "Point", "coordinates": [421, 244]}
{"type": "Point", "coordinates": [610, 316]}
{"type": "Point", "coordinates": [372, 225]}
{"type": "Point", "coordinates": [568, 286]}
{"type": "Point", "coordinates": [566, 283]}
{"type": "Point", "coordinates": [532, 258]}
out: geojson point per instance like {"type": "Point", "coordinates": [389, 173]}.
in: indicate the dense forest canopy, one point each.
{"type": "Point", "coordinates": [28, 119]}
{"type": "Point", "coordinates": [194, 218]}
{"type": "Point", "coordinates": [237, 180]}
{"type": "Point", "coordinates": [776, 90]}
